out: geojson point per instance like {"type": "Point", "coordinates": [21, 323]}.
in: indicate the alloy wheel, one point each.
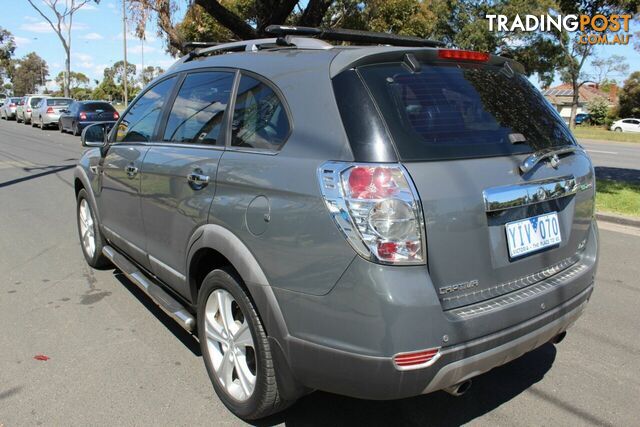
{"type": "Point", "coordinates": [230, 345]}
{"type": "Point", "coordinates": [87, 228]}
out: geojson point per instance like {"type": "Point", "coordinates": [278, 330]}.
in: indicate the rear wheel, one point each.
{"type": "Point", "coordinates": [91, 240]}
{"type": "Point", "coordinates": [235, 348]}
{"type": "Point", "coordinates": [60, 126]}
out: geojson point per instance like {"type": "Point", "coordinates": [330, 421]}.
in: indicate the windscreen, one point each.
{"type": "Point", "coordinates": [452, 111]}
{"type": "Point", "coordinates": [92, 107]}
{"type": "Point", "coordinates": [58, 102]}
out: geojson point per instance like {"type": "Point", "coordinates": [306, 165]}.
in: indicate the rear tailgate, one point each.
{"type": "Point", "coordinates": [462, 131]}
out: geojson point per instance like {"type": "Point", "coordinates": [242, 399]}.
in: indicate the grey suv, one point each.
{"type": "Point", "coordinates": [374, 221]}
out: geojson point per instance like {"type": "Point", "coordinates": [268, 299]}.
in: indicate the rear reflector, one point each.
{"type": "Point", "coordinates": [464, 55]}
{"type": "Point", "coordinates": [417, 359]}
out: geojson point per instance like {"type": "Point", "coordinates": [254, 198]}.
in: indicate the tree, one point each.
{"type": "Point", "coordinates": [150, 73]}
{"type": "Point", "coordinates": [605, 68]}
{"type": "Point", "coordinates": [27, 73]}
{"type": "Point", "coordinates": [61, 23]}
{"type": "Point", "coordinates": [629, 100]}
{"type": "Point", "coordinates": [76, 81]}
{"type": "Point", "coordinates": [598, 109]}
{"type": "Point", "coordinates": [7, 48]}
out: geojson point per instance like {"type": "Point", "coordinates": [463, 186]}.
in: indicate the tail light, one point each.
{"type": "Point", "coordinates": [416, 359]}
{"type": "Point", "coordinates": [12, 105]}
{"type": "Point", "coordinates": [116, 116]}
{"type": "Point", "coordinates": [377, 208]}
{"type": "Point", "coordinates": [28, 110]}
{"type": "Point", "coordinates": [464, 55]}
{"type": "Point", "coordinates": [49, 110]}
{"type": "Point", "coordinates": [83, 115]}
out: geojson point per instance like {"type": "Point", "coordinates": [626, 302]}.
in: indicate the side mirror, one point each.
{"type": "Point", "coordinates": [95, 135]}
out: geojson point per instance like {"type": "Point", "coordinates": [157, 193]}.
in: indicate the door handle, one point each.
{"type": "Point", "coordinates": [197, 180]}
{"type": "Point", "coordinates": [131, 170]}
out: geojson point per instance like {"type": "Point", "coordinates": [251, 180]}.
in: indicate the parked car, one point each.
{"type": "Point", "coordinates": [48, 111]}
{"type": "Point", "coordinates": [24, 112]}
{"type": "Point", "coordinates": [83, 113]}
{"type": "Point", "coordinates": [582, 118]}
{"type": "Point", "coordinates": [372, 221]}
{"type": "Point", "coordinates": [626, 125]}
{"type": "Point", "coordinates": [8, 109]}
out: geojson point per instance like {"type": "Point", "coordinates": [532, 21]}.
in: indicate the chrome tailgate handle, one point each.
{"type": "Point", "coordinates": [548, 153]}
{"type": "Point", "coordinates": [512, 196]}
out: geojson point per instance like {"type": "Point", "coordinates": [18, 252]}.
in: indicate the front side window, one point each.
{"type": "Point", "coordinates": [140, 121]}
{"type": "Point", "coordinates": [259, 118]}
{"type": "Point", "coordinates": [197, 113]}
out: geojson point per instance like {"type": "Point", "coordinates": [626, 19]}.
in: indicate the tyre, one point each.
{"type": "Point", "coordinates": [235, 348]}
{"type": "Point", "coordinates": [76, 131]}
{"type": "Point", "coordinates": [618, 130]}
{"type": "Point", "coordinates": [60, 128]}
{"type": "Point", "coordinates": [91, 240]}
{"type": "Point", "coordinates": [18, 119]}
{"type": "Point", "coordinates": [42, 125]}
{"type": "Point", "coordinates": [33, 123]}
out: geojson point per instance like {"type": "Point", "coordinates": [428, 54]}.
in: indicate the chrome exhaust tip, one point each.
{"type": "Point", "coordinates": [459, 389]}
{"type": "Point", "coordinates": [558, 338]}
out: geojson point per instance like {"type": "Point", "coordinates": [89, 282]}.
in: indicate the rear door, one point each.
{"type": "Point", "coordinates": [119, 200]}
{"type": "Point", "coordinates": [179, 171]}
{"type": "Point", "coordinates": [462, 131]}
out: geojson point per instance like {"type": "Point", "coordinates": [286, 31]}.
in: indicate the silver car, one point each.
{"type": "Point", "coordinates": [8, 109]}
{"type": "Point", "coordinates": [48, 111]}
{"type": "Point", "coordinates": [24, 111]}
{"type": "Point", "coordinates": [373, 221]}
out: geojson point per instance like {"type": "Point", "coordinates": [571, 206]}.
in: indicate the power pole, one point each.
{"type": "Point", "coordinates": [124, 34]}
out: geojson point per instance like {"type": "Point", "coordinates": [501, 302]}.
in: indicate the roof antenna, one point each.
{"type": "Point", "coordinates": [412, 62]}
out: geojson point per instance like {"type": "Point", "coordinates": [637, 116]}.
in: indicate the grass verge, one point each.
{"type": "Point", "coordinates": [618, 197]}
{"type": "Point", "coordinates": [594, 132]}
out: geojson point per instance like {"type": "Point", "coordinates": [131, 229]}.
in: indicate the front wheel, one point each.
{"type": "Point", "coordinates": [618, 129]}
{"type": "Point", "coordinates": [235, 348]}
{"type": "Point", "coordinates": [91, 240]}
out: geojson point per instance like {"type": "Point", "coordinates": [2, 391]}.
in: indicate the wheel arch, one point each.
{"type": "Point", "coordinates": [213, 246]}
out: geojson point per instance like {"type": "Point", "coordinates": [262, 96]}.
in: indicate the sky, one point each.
{"type": "Point", "coordinates": [97, 40]}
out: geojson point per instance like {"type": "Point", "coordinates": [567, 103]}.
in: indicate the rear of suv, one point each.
{"type": "Point", "coordinates": [374, 221]}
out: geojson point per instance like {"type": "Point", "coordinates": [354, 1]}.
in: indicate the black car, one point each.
{"type": "Point", "coordinates": [80, 114]}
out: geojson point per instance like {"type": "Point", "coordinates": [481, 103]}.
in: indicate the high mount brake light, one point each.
{"type": "Point", "coordinates": [463, 55]}
{"type": "Point", "coordinates": [116, 116]}
{"type": "Point", "coordinates": [377, 208]}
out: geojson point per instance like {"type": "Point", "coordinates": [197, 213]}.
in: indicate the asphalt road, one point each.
{"type": "Point", "coordinates": [614, 160]}
{"type": "Point", "coordinates": [116, 359]}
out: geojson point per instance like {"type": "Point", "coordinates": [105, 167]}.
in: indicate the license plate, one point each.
{"type": "Point", "coordinates": [533, 234]}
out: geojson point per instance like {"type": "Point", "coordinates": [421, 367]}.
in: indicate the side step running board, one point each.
{"type": "Point", "coordinates": [165, 301]}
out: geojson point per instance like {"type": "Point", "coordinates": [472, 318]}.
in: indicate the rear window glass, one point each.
{"type": "Point", "coordinates": [452, 111]}
{"type": "Point", "coordinates": [92, 107]}
{"type": "Point", "coordinates": [34, 101]}
{"type": "Point", "coordinates": [58, 102]}
{"type": "Point", "coordinates": [15, 100]}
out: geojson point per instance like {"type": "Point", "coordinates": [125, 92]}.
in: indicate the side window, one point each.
{"type": "Point", "coordinates": [196, 115]}
{"type": "Point", "coordinates": [259, 118]}
{"type": "Point", "coordinates": [140, 121]}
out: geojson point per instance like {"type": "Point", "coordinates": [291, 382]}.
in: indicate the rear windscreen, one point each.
{"type": "Point", "coordinates": [452, 111]}
{"type": "Point", "coordinates": [93, 107]}
{"type": "Point", "coordinates": [34, 101]}
{"type": "Point", "coordinates": [58, 102]}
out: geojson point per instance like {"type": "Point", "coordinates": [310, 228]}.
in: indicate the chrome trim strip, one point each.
{"type": "Point", "coordinates": [530, 162]}
{"type": "Point", "coordinates": [512, 196]}
{"type": "Point", "coordinates": [155, 262]}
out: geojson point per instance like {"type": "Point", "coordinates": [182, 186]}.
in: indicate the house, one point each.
{"type": "Point", "coordinates": [561, 97]}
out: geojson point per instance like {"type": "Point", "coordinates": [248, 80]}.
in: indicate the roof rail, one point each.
{"type": "Point", "coordinates": [255, 45]}
{"type": "Point", "coordinates": [340, 34]}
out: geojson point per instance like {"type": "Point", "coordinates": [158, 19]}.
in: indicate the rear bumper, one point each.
{"type": "Point", "coordinates": [368, 377]}
{"type": "Point", "coordinates": [344, 342]}
{"type": "Point", "coordinates": [50, 119]}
